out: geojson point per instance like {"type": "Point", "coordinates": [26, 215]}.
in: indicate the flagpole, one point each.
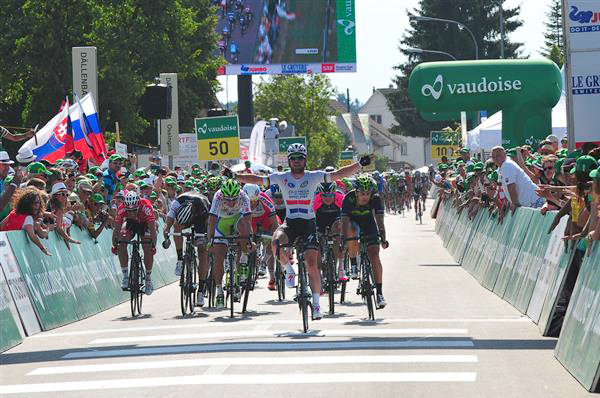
{"type": "Point", "coordinates": [117, 132]}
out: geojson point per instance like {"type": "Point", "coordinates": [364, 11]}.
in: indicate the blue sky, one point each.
{"type": "Point", "coordinates": [382, 27]}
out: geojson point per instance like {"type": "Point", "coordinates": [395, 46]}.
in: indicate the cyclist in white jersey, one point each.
{"type": "Point", "coordinates": [298, 187]}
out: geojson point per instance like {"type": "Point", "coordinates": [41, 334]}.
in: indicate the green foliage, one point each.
{"type": "Point", "coordinates": [304, 102]}
{"type": "Point", "coordinates": [481, 17]}
{"type": "Point", "coordinates": [382, 163]}
{"type": "Point", "coordinates": [136, 41]}
{"type": "Point", "coordinates": [354, 105]}
{"type": "Point", "coordinates": [553, 36]}
{"type": "Point", "coordinates": [557, 56]}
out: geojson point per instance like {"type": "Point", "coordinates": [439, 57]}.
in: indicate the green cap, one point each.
{"type": "Point", "coordinates": [115, 157]}
{"type": "Point", "coordinates": [463, 150]}
{"type": "Point", "coordinates": [470, 168]}
{"type": "Point", "coordinates": [574, 155]}
{"type": "Point", "coordinates": [478, 166]}
{"type": "Point", "coordinates": [93, 169]}
{"type": "Point", "coordinates": [144, 184]}
{"type": "Point", "coordinates": [442, 166]}
{"type": "Point", "coordinates": [493, 176]}
{"type": "Point", "coordinates": [595, 174]}
{"type": "Point", "coordinates": [153, 195]}
{"type": "Point", "coordinates": [38, 168]}
{"type": "Point", "coordinates": [196, 166]}
{"type": "Point", "coordinates": [9, 178]}
{"type": "Point", "coordinates": [178, 188]}
{"type": "Point", "coordinates": [189, 184]}
{"type": "Point", "coordinates": [584, 164]}
{"type": "Point", "coordinates": [91, 177]}
{"type": "Point", "coordinates": [558, 165]}
{"type": "Point", "coordinates": [97, 198]}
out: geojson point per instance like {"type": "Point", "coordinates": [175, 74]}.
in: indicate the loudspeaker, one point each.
{"type": "Point", "coordinates": [156, 102]}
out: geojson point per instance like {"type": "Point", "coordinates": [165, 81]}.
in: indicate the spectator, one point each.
{"type": "Point", "coordinates": [564, 143]}
{"type": "Point", "coordinates": [553, 141]}
{"type": "Point", "coordinates": [59, 207]}
{"type": "Point", "coordinates": [36, 183]}
{"type": "Point", "coordinates": [517, 186]}
{"type": "Point", "coordinates": [28, 205]}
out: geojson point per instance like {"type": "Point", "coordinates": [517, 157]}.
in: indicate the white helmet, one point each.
{"type": "Point", "coordinates": [296, 149]}
{"type": "Point", "coordinates": [252, 190]}
{"type": "Point", "coordinates": [131, 199]}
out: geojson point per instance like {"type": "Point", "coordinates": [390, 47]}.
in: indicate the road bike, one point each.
{"type": "Point", "coordinates": [188, 281]}
{"type": "Point", "coordinates": [137, 276]}
{"type": "Point", "coordinates": [328, 268]}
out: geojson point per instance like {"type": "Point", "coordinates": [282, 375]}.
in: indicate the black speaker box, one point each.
{"type": "Point", "coordinates": [156, 102]}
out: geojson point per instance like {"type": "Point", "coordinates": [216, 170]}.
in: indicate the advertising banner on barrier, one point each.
{"type": "Point", "coordinates": [18, 288]}
{"type": "Point", "coordinates": [578, 347]}
{"type": "Point", "coordinates": [554, 252]}
{"type": "Point", "coordinates": [10, 332]}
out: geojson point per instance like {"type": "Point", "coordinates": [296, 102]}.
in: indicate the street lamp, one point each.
{"type": "Point", "coordinates": [460, 25]}
{"type": "Point", "coordinates": [421, 51]}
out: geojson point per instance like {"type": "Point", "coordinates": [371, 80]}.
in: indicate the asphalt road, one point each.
{"type": "Point", "coordinates": [442, 334]}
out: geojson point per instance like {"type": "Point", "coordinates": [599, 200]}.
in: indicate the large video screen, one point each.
{"type": "Point", "coordinates": [286, 36]}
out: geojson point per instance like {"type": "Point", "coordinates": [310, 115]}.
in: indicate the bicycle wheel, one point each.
{"type": "Point", "coordinates": [280, 281]}
{"type": "Point", "coordinates": [183, 298]}
{"type": "Point", "coordinates": [302, 299]}
{"type": "Point", "coordinates": [133, 286]}
{"type": "Point", "coordinates": [211, 288]}
{"type": "Point", "coordinates": [193, 284]}
{"type": "Point", "coordinates": [141, 281]}
{"type": "Point", "coordinates": [331, 285]}
{"type": "Point", "coordinates": [343, 287]}
{"type": "Point", "coordinates": [232, 287]}
{"type": "Point", "coordinates": [367, 288]}
{"type": "Point", "coordinates": [420, 213]}
{"type": "Point", "coordinates": [249, 284]}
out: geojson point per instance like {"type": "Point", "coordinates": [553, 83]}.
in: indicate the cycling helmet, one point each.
{"type": "Point", "coordinates": [68, 164]}
{"type": "Point", "coordinates": [230, 188]}
{"type": "Point", "coordinates": [417, 173]}
{"type": "Point", "coordinates": [329, 169]}
{"type": "Point", "coordinates": [213, 183]}
{"type": "Point", "coordinates": [131, 199]}
{"type": "Point", "coordinates": [184, 214]}
{"type": "Point", "coordinates": [364, 184]}
{"type": "Point", "coordinates": [327, 187]}
{"type": "Point", "coordinates": [252, 190]}
{"type": "Point", "coordinates": [296, 149]}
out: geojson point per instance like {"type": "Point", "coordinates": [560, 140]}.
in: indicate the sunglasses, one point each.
{"type": "Point", "coordinates": [62, 194]}
{"type": "Point", "coordinates": [231, 199]}
{"type": "Point", "coordinates": [327, 195]}
{"type": "Point", "coordinates": [296, 157]}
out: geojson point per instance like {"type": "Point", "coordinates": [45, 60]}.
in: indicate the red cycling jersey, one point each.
{"type": "Point", "coordinates": [262, 213]}
{"type": "Point", "coordinates": [143, 215]}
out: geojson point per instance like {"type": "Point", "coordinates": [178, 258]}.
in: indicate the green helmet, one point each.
{"type": "Point", "coordinates": [230, 188]}
{"type": "Point", "coordinates": [213, 184]}
{"type": "Point", "coordinates": [364, 183]}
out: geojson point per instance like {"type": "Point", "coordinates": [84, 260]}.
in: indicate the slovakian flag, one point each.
{"type": "Point", "coordinates": [81, 128]}
{"type": "Point", "coordinates": [49, 141]}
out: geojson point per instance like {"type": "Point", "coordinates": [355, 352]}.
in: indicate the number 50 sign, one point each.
{"type": "Point", "coordinates": [218, 137]}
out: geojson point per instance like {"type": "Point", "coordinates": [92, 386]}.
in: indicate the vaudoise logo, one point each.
{"type": "Point", "coordinates": [482, 86]}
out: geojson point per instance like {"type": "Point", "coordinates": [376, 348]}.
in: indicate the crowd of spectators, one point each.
{"type": "Point", "coordinates": [38, 196]}
{"type": "Point", "coordinates": [549, 177]}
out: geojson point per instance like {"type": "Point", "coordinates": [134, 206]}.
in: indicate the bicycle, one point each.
{"type": "Point", "coordinates": [366, 285]}
{"type": "Point", "coordinates": [137, 276]}
{"type": "Point", "coordinates": [302, 295]}
{"type": "Point", "coordinates": [418, 209]}
{"type": "Point", "coordinates": [252, 274]}
{"type": "Point", "coordinates": [232, 286]}
{"type": "Point", "coordinates": [329, 270]}
{"type": "Point", "coordinates": [279, 278]}
{"type": "Point", "coordinates": [188, 281]}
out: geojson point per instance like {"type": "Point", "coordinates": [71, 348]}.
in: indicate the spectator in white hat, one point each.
{"type": "Point", "coordinates": [58, 206]}
{"type": "Point", "coordinates": [25, 156]}
{"type": "Point", "coordinates": [554, 140]}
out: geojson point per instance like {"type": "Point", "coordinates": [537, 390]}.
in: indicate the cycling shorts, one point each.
{"type": "Point", "coordinates": [131, 228]}
{"type": "Point", "coordinates": [300, 227]}
{"type": "Point", "coordinates": [226, 226]}
{"type": "Point", "coordinates": [368, 229]}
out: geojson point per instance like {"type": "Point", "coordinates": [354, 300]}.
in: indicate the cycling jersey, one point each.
{"type": "Point", "coordinates": [220, 209]}
{"type": "Point", "coordinates": [299, 193]}
{"type": "Point", "coordinates": [200, 208]}
{"type": "Point", "coordinates": [262, 213]}
{"type": "Point", "coordinates": [326, 215]}
{"type": "Point", "coordinates": [144, 213]}
{"type": "Point", "coordinates": [362, 217]}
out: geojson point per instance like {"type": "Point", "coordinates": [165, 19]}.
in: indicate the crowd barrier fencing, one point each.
{"type": "Point", "coordinates": [523, 262]}
{"type": "Point", "coordinates": [46, 292]}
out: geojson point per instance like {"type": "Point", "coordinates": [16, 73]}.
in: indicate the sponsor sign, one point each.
{"type": "Point", "coordinates": [253, 70]}
{"type": "Point", "coordinates": [442, 145]}
{"type": "Point", "coordinates": [188, 150]}
{"type": "Point", "coordinates": [218, 137]}
{"type": "Point", "coordinates": [583, 23]}
{"type": "Point", "coordinates": [284, 143]}
{"type": "Point", "coordinates": [327, 68]}
{"type": "Point", "coordinates": [169, 128]}
{"type": "Point", "coordinates": [294, 68]}
{"type": "Point", "coordinates": [346, 158]}
{"type": "Point", "coordinates": [121, 149]}
{"type": "Point", "coordinates": [85, 72]}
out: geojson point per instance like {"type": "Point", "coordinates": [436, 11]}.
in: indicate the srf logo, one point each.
{"type": "Point", "coordinates": [435, 89]}
{"type": "Point", "coordinates": [327, 68]}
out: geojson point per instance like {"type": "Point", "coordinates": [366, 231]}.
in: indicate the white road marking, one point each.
{"type": "Point", "coordinates": [306, 378]}
{"type": "Point", "coordinates": [283, 346]}
{"type": "Point", "coordinates": [353, 321]}
{"type": "Point", "coordinates": [295, 360]}
{"type": "Point", "coordinates": [274, 333]}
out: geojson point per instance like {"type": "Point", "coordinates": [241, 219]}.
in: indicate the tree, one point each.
{"type": "Point", "coordinates": [554, 28]}
{"type": "Point", "coordinates": [304, 102]}
{"type": "Point", "coordinates": [136, 41]}
{"type": "Point", "coordinates": [482, 18]}
{"type": "Point", "coordinates": [557, 56]}
{"type": "Point", "coordinates": [354, 105]}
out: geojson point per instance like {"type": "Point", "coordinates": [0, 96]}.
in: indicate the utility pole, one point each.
{"type": "Point", "coordinates": [348, 99]}
{"type": "Point", "coordinates": [501, 29]}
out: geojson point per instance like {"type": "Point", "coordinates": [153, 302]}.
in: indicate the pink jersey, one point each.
{"type": "Point", "coordinates": [339, 199]}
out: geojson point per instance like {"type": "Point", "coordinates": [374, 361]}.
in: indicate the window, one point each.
{"type": "Point", "coordinates": [377, 118]}
{"type": "Point", "coordinates": [403, 149]}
